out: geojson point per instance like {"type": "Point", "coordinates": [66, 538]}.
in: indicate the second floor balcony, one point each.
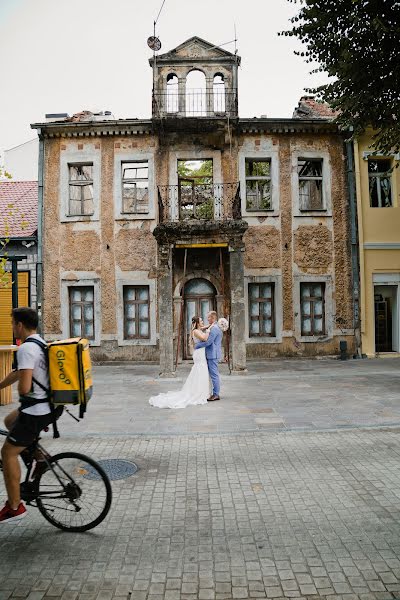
{"type": "Point", "coordinates": [193, 201]}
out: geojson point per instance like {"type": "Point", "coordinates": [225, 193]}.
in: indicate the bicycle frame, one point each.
{"type": "Point", "coordinates": [28, 483]}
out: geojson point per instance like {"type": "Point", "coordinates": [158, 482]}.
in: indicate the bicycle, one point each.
{"type": "Point", "coordinates": [71, 490]}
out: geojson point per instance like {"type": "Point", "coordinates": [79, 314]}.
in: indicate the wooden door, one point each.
{"type": "Point", "coordinates": [383, 325]}
{"type": "Point", "coordinates": [6, 336]}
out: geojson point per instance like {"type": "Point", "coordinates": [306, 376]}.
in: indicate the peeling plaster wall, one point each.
{"type": "Point", "coordinates": [313, 248]}
{"type": "Point", "coordinates": [295, 245]}
{"type": "Point", "coordinates": [282, 243]}
{"type": "Point", "coordinates": [102, 247]}
{"type": "Point", "coordinates": [262, 247]}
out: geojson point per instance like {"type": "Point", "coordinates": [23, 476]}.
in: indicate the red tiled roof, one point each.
{"type": "Point", "coordinates": [18, 208]}
{"type": "Point", "coordinates": [309, 108]}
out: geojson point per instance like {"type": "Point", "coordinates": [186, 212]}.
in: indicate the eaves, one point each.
{"type": "Point", "coordinates": [288, 126]}
{"type": "Point", "coordinates": [68, 129]}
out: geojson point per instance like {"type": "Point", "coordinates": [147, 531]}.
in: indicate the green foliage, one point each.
{"type": "Point", "coordinates": [188, 169]}
{"type": "Point", "coordinates": [357, 43]}
{"type": "Point", "coordinates": [205, 210]}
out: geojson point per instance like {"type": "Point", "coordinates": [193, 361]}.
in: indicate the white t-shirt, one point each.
{"type": "Point", "coordinates": [31, 356]}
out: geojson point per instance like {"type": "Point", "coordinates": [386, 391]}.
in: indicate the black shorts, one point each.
{"type": "Point", "coordinates": [27, 428]}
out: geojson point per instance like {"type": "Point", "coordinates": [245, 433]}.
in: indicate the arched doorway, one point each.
{"type": "Point", "coordinates": [199, 297]}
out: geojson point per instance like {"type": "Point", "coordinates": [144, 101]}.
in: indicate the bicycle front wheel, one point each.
{"type": "Point", "coordinates": [74, 492]}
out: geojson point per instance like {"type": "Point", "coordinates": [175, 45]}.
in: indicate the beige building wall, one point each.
{"type": "Point", "coordinates": [285, 246]}
{"type": "Point", "coordinates": [379, 239]}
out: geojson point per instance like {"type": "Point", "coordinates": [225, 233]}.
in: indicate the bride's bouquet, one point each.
{"type": "Point", "coordinates": [223, 324]}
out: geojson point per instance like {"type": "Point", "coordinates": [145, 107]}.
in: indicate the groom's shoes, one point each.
{"type": "Point", "coordinates": [213, 398]}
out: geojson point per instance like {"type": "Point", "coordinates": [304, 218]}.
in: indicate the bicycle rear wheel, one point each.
{"type": "Point", "coordinates": [75, 493]}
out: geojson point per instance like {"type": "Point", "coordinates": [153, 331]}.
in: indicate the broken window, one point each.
{"type": "Point", "coordinates": [172, 100]}
{"type": "Point", "coordinates": [312, 300]}
{"type": "Point", "coordinates": [196, 97]}
{"type": "Point", "coordinates": [81, 310]}
{"type": "Point", "coordinates": [219, 93]}
{"type": "Point", "coordinates": [135, 187]}
{"type": "Point", "coordinates": [196, 192]}
{"type": "Point", "coordinates": [310, 183]}
{"type": "Point", "coordinates": [136, 312]}
{"type": "Point", "coordinates": [258, 184]}
{"type": "Point", "coordinates": [261, 309]}
{"type": "Point", "coordinates": [380, 185]}
{"type": "Point", "coordinates": [81, 189]}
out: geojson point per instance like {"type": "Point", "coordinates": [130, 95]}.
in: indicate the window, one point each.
{"type": "Point", "coordinates": [219, 93]}
{"type": "Point", "coordinates": [136, 312]}
{"type": "Point", "coordinates": [380, 186]}
{"type": "Point", "coordinates": [81, 304]}
{"type": "Point", "coordinates": [261, 309]}
{"type": "Point", "coordinates": [135, 187]}
{"type": "Point", "coordinates": [196, 94]}
{"type": "Point", "coordinates": [258, 184]}
{"type": "Point", "coordinates": [310, 183]}
{"type": "Point", "coordinates": [81, 189]}
{"type": "Point", "coordinates": [312, 300]}
{"type": "Point", "coordinates": [172, 100]}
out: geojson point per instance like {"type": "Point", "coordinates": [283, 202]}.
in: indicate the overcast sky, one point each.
{"type": "Point", "coordinates": [72, 55]}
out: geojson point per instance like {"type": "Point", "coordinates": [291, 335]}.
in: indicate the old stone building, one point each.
{"type": "Point", "coordinates": [147, 222]}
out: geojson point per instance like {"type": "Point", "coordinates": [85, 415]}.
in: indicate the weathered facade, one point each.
{"type": "Point", "coordinates": [147, 222]}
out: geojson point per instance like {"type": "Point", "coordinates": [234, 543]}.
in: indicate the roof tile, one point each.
{"type": "Point", "coordinates": [18, 208]}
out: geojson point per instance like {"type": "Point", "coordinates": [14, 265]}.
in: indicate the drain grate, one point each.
{"type": "Point", "coordinates": [115, 469]}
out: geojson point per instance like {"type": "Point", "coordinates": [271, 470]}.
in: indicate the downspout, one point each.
{"type": "Point", "coordinates": [355, 268]}
{"type": "Point", "coordinates": [39, 265]}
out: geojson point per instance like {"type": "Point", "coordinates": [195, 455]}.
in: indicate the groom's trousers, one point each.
{"type": "Point", "coordinates": [214, 374]}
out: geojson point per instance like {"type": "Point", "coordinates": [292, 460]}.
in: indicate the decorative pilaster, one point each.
{"type": "Point", "coordinates": [236, 269]}
{"type": "Point", "coordinates": [165, 311]}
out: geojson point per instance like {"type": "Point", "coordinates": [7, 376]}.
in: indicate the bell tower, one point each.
{"type": "Point", "coordinates": [195, 80]}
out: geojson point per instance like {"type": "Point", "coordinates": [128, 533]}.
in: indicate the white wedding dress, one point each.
{"type": "Point", "coordinates": [196, 388]}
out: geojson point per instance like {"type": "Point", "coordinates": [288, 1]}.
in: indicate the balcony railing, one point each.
{"type": "Point", "coordinates": [195, 103]}
{"type": "Point", "coordinates": [209, 202]}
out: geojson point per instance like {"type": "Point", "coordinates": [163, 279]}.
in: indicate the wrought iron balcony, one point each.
{"type": "Point", "coordinates": [207, 202]}
{"type": "Point", "coordinates": [195, 103]}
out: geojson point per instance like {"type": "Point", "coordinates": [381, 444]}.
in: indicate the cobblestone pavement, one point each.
{"type": "Point", "coordinates": [275, 395]}
{"type": "Point", "coordinates": [259, 515]}
{"type": "Point", "coordinates": [227, 504]}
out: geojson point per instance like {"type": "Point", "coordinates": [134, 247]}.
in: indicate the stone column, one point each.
{"type": "Point", "coordinates": [165, 311]}
{"type": "Point", "coordinates": [236, 271]}
{"type": "Point", "coordinates": [182, 96]}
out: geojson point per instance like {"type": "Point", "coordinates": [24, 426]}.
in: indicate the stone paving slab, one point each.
{"type": "Point", "coordinates": [311, 515]}
{"type": "Point", "coordinates": [274, 395]}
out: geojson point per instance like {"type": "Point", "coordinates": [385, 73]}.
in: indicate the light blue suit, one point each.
{"type": "Point", "coordinates": [213, 355]}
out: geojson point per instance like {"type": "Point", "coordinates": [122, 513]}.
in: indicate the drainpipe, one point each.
{"type": "Point", "coordinates": [351, 186]}
{"type": "Point", "coordinates": [39, 265]}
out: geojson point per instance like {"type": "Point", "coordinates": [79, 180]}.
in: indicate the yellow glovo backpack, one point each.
{"type": "Point", "coordinates": [70, 374]}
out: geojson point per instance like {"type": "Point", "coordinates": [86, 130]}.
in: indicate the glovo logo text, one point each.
{"type": "Point", "coordinates": [60, 363]}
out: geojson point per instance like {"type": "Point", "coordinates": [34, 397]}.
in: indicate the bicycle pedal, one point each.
{"type": "Point", "coordinates": [28, 491]}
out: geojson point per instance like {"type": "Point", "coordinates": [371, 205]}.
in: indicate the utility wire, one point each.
{"type": "Point", "coordinates": [159, 12]}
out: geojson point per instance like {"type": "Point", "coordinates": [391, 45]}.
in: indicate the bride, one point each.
{"type": "Point", "coordinates": [196, 388]}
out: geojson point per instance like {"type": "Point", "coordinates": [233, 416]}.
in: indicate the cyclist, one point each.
{"type": "Point", "coordinates": [34, 414]}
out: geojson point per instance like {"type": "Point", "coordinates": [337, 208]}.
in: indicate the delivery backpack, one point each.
{"type": "Point", "coordinates": [70, 374]}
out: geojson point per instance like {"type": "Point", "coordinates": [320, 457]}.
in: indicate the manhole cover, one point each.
{"type": "Point", "coordinates": [115, 469]}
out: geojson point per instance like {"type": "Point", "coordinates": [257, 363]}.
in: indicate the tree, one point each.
{"type": "Point", "coordinates": [357, 43]}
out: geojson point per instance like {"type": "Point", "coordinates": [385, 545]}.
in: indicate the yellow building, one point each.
{"type": "Point", "coordinates": [378, 208]}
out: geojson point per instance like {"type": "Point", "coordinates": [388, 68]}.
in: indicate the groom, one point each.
{"type": "Point", "coordinates": [213, 353]}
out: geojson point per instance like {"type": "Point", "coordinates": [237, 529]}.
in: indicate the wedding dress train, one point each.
{"type": "Point", "coordinates": [196, 388]}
